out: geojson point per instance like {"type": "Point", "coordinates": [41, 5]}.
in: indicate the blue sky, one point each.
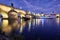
{"type": "Point", "coordinates": [37, 6]}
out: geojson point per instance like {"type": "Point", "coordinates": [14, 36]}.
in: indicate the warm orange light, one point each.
{"type": "Point", "coordinates": [4, 15]}
{"type": "Point", "coordinates": [57, 15]}
{"type": "Point", "coordinates": [8, 8]}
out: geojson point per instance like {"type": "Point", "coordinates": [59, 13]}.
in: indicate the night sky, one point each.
{"type": "Point", "coordinates": [37, 6]}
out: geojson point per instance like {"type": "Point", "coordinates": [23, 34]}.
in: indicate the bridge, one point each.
{"type": "Point", "coordinates": [4, 9]}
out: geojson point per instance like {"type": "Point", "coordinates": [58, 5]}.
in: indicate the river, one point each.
{"type": "Point", "coordinates": [34, 29]}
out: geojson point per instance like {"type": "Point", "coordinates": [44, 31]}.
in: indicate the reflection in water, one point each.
{"type": "Point", "coordinates": [21, 26]}
{"type": "Point", "coordinates": [8, 26]}
{"type": "Point", "coordinates": [42, 21]}
{"type": "Point", "coordinates": [33, 22]}
{"type": "Point", "coordinates": [14, 25]}
{"type": "Point", "coordinates": [36, 21]}
{"type": "Point", "coordinates": [58, 20]}
{"type": "Point", "coordinates": [29, 23]}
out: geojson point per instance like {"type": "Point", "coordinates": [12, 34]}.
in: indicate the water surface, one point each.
{"type": "Point", "coordinates": [35, 29]}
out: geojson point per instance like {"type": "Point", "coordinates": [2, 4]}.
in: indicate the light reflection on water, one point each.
{"type": "Point", "coordinates": [58, 20]}
{"type": "Point", "coordinates": [6, 27]}
{"type": "Point", "coordinates": [31, 25]}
